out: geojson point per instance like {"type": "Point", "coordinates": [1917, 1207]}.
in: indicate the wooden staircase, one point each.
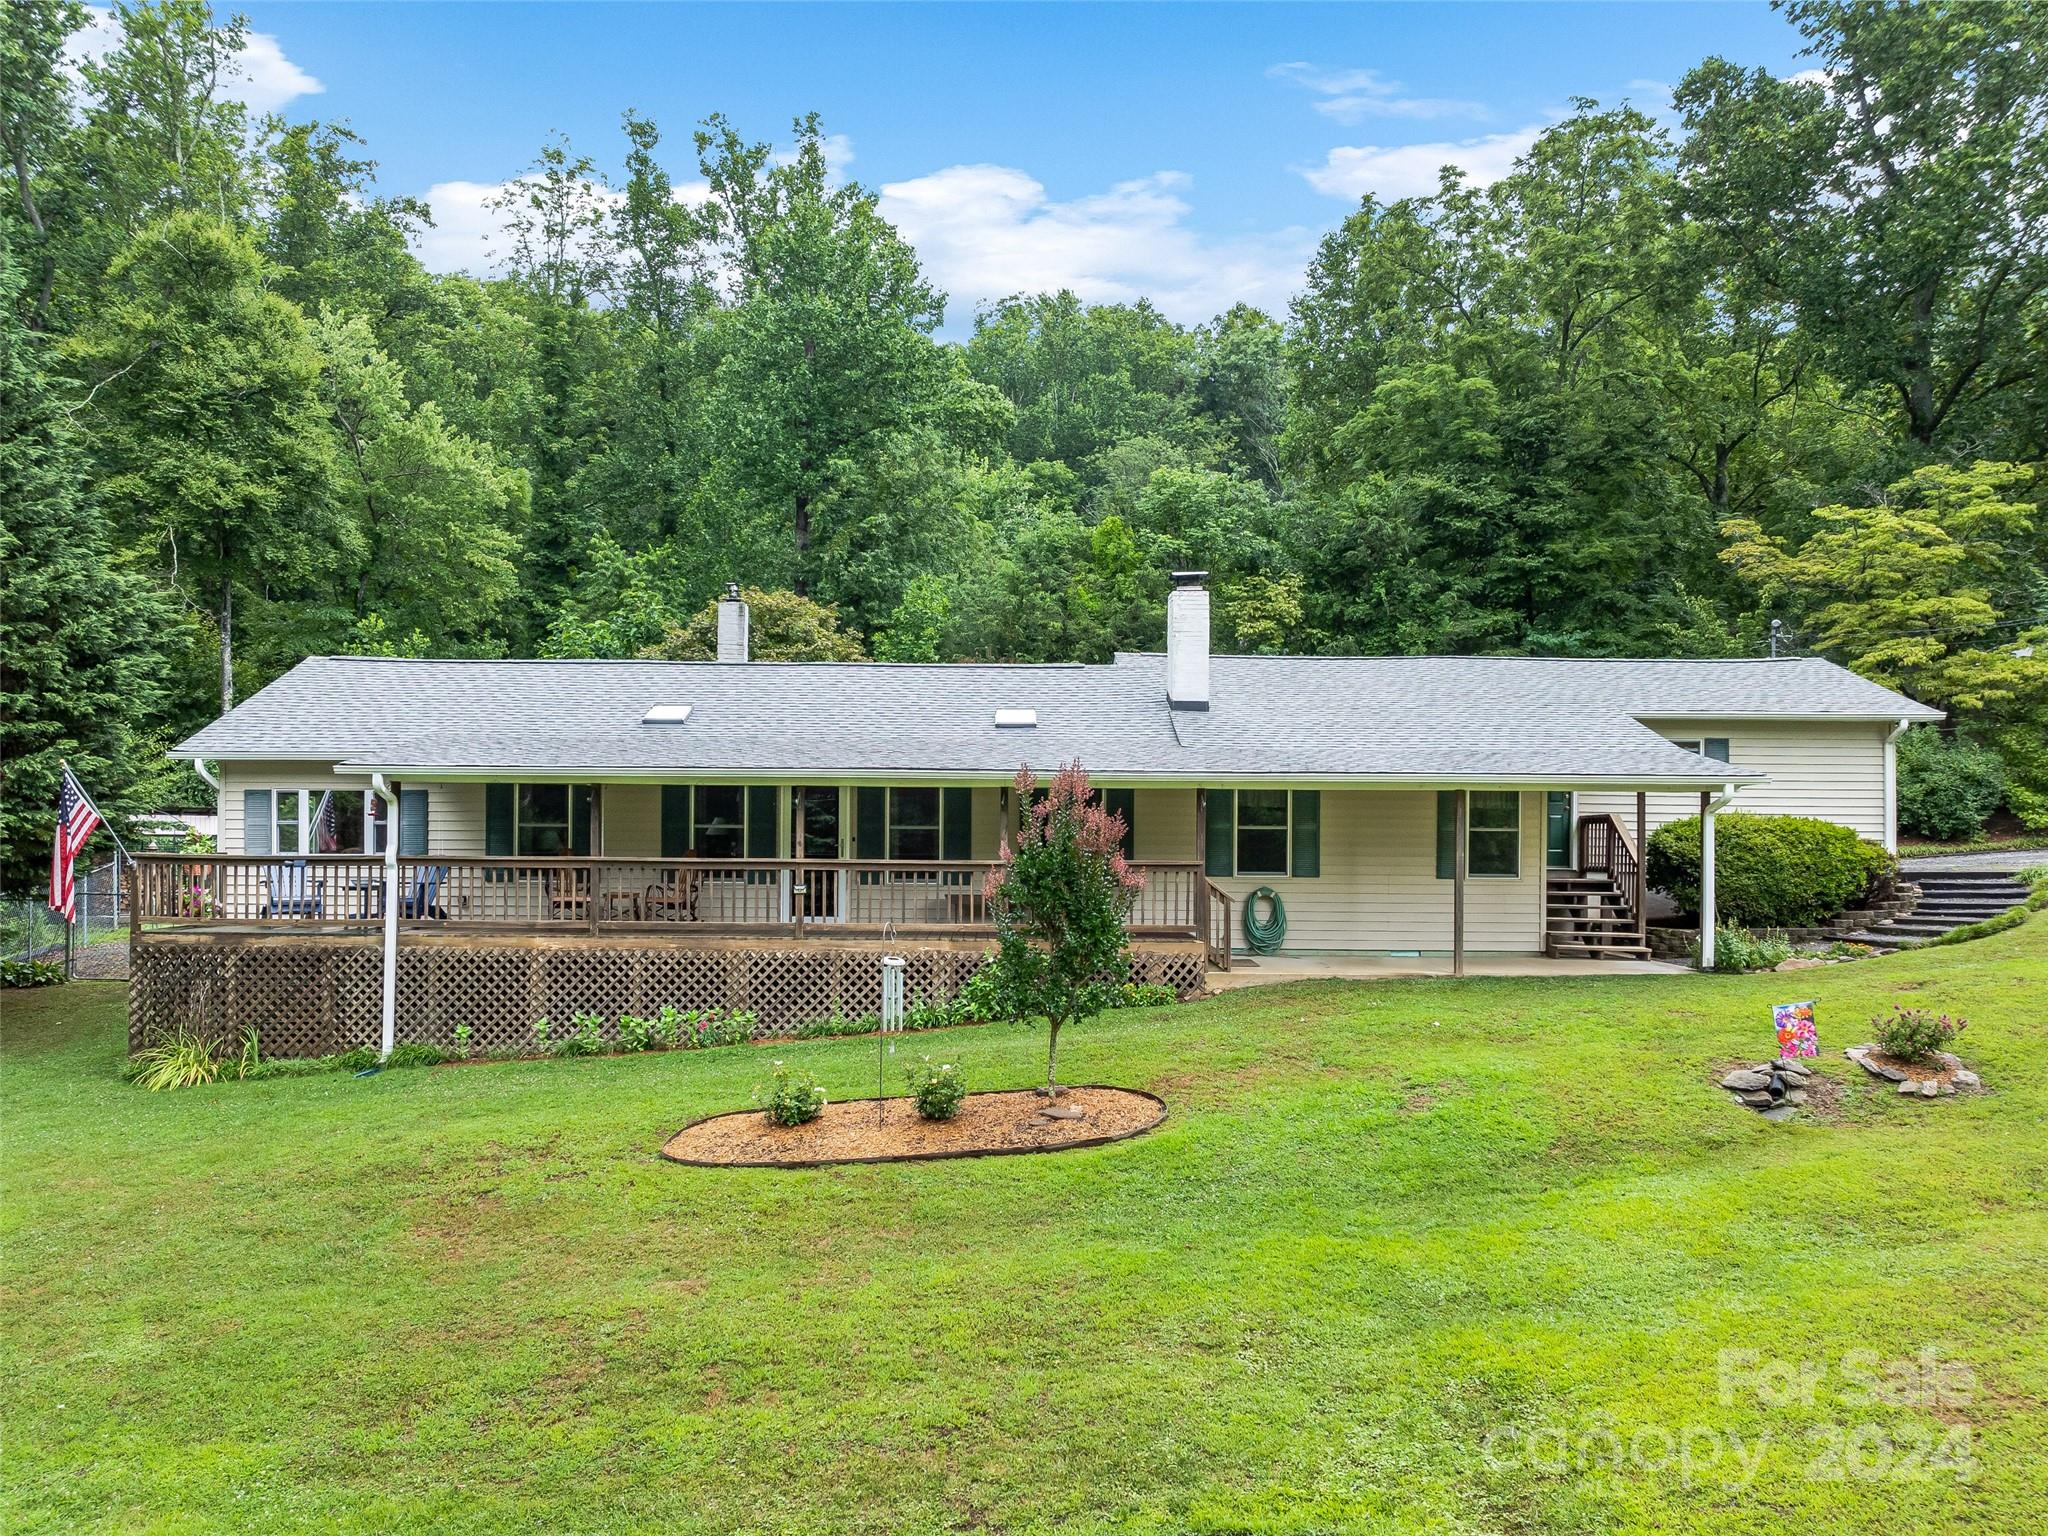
{"type": "Point", "coordinates": [1590, 912]}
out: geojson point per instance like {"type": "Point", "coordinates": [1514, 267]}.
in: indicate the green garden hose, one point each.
{"type": "Point", "coordinates": [1264, 935]}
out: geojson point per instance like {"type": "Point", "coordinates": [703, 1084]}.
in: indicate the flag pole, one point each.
{"type": "Point", "coordinates": [66, 766]}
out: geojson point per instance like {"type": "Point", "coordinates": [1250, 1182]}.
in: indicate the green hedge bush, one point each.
{"type": "Point", "coordinates": [1947, 788]}
{"type": "Point", "coordinates": [1771, 871]}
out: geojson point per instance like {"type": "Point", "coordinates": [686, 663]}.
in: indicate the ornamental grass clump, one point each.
{"type": "Point", "coordinates": [1915, 1034]}
{"type": "Point", "coordinates": [936, 1088]}
{"type": "Point", "coordinates": [1059, 899]}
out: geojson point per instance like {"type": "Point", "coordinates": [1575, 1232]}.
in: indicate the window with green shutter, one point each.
{"type": "Point", "coordinates": [256, 821]}
{"type": "Point", "coordinates": [957, 822]}
{"type": "Point", "coordinates": [412, 823]}
{"type": "Point", "coordinates": [1124, 803]}
{"type": "Point", "coordinates": [1307, 833]}
{"type": "Point", "coordinates": [500, 819]}
{"type": "Point", "coordinates": [1219, 833]}
{"type": "Point", "coordinates": [871, 822]}
{"type": "Point", "coordinates": [675, 821]}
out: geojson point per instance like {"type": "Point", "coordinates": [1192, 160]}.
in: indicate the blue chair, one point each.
{"type": "Point", "coordinates": [425, 900]}
{"type": "Point", "coordinates": [294, 891]}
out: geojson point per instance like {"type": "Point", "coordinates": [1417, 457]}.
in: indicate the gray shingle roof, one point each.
{"type": "Point", "coordinates": [1393, 719]}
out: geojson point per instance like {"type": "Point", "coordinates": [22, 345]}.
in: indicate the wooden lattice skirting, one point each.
{"type": "Point", "coordinates": [312, 994]}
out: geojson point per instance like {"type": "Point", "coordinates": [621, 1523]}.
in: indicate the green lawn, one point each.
{"type": "Point", "coordinates": [1395, 1244]}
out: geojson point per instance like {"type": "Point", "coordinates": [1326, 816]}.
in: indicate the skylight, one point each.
{"type": "Point", "coordinates": [1016, 719]}
{"type": "Point", "coordinates": [666, 714]}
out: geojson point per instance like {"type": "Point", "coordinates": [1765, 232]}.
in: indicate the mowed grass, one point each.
{"type": "Point", "coordinates": [1401, 1257]}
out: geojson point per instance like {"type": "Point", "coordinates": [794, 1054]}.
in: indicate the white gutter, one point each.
{"type": "Point", "coordinates": [1707, 917]}
{"type": "Point", "coordinates": [384, 792]}
{"type": "Point", "coordinates": [1891, 786]}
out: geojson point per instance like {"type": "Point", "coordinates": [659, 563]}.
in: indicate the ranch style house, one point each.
{"type": "Point", "coordinates": [411, 845]}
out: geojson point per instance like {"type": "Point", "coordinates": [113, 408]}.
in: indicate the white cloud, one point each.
{"type": "Point", "coordinates": [263, 79]}
{"type": "Point", "coordinates": [985, 232]}
{"type": "Point", "coordinates": [1351, 95]}
{"type": "Point", "coordinates": [1411, 170]}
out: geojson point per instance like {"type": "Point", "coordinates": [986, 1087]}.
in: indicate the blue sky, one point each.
{"type": "Point", "coordinates": [1193, 153]}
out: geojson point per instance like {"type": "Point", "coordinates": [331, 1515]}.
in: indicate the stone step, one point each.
{"type": "Point", "coordinates": [1876, 940]}
{"type": "Point", "coordinates": [1968, 911]}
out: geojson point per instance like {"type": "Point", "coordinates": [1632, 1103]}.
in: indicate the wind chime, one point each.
{"type": "Point", "coordinates": [892, 1020]}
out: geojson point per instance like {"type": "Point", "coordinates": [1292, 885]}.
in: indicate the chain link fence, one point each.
{"type": "Point", "coordinates": [98, 941]}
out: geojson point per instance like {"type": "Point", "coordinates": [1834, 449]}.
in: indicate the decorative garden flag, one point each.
{"type": "Point", "coordinates": [1796, 1036]}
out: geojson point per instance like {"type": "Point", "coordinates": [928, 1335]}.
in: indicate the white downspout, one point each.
{"type": "Point", "coordinates": [1707, 920]}
{"type": "Point", "coordinates": [1891, 787]}
{"type": "Point", "coordinates": [384, 792]}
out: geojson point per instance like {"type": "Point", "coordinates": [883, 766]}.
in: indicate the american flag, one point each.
{"type": "Point", "coordinates": [76, 818]}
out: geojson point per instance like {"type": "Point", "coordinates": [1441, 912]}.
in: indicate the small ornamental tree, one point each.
{"type": "Point", "coordinates": [1059, 900]}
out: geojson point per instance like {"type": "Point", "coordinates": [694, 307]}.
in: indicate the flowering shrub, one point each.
{"type": "Point", "coordinates": [1915, 1034]}
{"type": "Point", "coordinates": [1059, 900]}
{"type": "Point", "coordinates": [1736, 950]}
{"type": "Point", "coordinates": [791, 1097]}
{"type": "Point", "coordinates": [936, 1088]}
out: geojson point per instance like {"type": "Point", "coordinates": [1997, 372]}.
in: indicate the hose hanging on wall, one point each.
{"type": "Point", "coordinates": [1264, 934]}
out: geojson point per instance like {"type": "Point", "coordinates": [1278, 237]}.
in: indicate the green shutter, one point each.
{"type": "Point", "coordinates": [498, 804]}
{"type": "Point", "coordinates": [255, 821]}
{"type": "Point", "coordinates": [1717, 748]}
{"type": "Point", "coordinates": [1447, 834]}
{"type": "Point", "coordinates": [761, 808]}
{"type": "Point", "coordinates": [579, 820]}
{"type": "Point", "coordinates": [675, 820]}
{"type": "Point", "coordinates": [870, 822]}
{"type": "Point", "coordinates": [1124, 803]}
{"type": "Point", "coordinates": [1557, 828]}
{"type": "Point", "coordinates": [412, 823]}
{"type": "Point", "coordinates": [1308, 833]}
{"type": "Point", "coordinates": [1221, 833]}
{"type": "Point", "coordinates": [956, 824]}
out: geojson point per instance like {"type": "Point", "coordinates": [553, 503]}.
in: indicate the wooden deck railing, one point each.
{"type": "Point", "coordinates": [606, 895]}
{"type": "Point", "coordinates": [1605, 848]}
{"type": "Point", "coordinates": [1216, 927]}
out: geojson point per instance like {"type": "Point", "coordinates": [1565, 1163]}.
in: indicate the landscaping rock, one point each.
{"type": "Point", "coordinates": [1861, 1056]}
{"type": "Point", "coordinates": [1930, 1089]}
{"type": "Point", "coordinates": [1796, 1096]}
{"type": "Point", "coordinates": [1796, 1068]}
{"type": "Point", "coordinates": [1756, 1099]}
{"type": "Point", "coordinates": [1780, 1112]}
{"type": "Point", "coordinates": [1967, 1079]}
{"type": "Point", "coordinates": [1909, 1087]}
{"type": "Point", "coordinates": [1746, 1079]}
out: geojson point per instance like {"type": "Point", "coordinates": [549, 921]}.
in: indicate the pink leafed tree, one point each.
{"type": "Point", "coordinates": [1059, 899]}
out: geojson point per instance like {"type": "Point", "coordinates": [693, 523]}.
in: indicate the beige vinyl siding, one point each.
{"type": "Point", "coordinates": [1378, 889]}
{"type": "Point", "coordinates": [631, 818]}
{"type": "Point", "coordinates": [1830, 770]}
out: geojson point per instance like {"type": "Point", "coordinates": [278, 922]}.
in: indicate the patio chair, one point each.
{"type": "Point", "coordinates": [293, 891]}
{"type": "Point", "coordinates": [672, 897]}
{"type": "Point", "coordinates": [568, 893]}
{"type": "Point", "coordinates": [425, 899]}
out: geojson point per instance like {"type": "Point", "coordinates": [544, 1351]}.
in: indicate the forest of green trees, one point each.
{"type": "Point", "coordinates": [1779, 354]}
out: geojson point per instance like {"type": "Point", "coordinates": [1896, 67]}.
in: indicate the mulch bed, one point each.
{"type": "Point", "coordinates": [988, 1125]}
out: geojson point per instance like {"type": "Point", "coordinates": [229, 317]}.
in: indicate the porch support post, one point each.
{"type": "Point", "coordinates": [1642, 892]}
{"type": "Point", "coordinates": [383, 791]}
{"type": "Point", "coordinates": [1708, 806]}
{"type": "Point", "coordinates": [1463, 798]}
{"type": "Point", "coordinates": [1202, 868]}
